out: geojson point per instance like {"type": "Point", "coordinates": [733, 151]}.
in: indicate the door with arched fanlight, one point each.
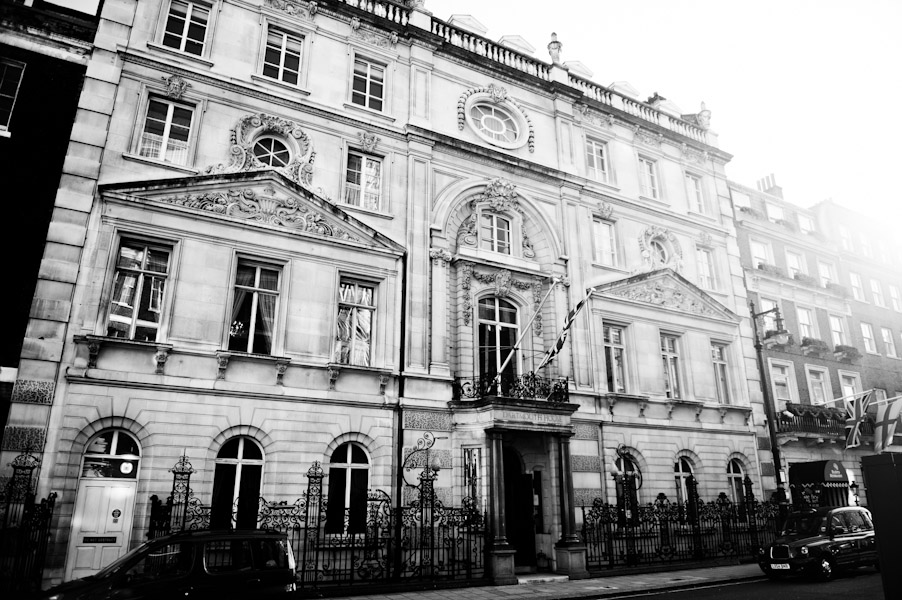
{"type": "Point", "coordinates": [104, 502]}
{"type": "Point", "coordinates": [236, 484]}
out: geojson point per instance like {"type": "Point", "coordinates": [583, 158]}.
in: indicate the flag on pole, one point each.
{"type": "Point", "coordinates": [559, 344]}
{"type": "Point", "coordinates": [885, 427]}
{"type": "Point", "coordinates": [856, 408]}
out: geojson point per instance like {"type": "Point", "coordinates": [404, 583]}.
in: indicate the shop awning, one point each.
{"type": "Point", "coordinates": [819, 471]}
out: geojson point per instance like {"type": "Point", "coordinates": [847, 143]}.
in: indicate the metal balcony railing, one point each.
{"type": "Point", "coordinates": [525, 387]}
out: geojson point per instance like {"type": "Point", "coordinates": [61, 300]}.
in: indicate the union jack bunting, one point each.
{"type": "Point", "coordinates": [856, 408]}
{"type": "Point", "coordinates": [559, 344]}
{"type": "Point", "coordinates": [887, 419]}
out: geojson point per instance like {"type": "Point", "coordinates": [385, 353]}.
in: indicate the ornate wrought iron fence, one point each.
{"type": "Point", "coordinates": [424, 541]}
{"type": "Point", "coordinates": [24, 529]}
{"type": "Point", "coordinates": [528, 386]}
{"type": "Point", "coordinates": [664, 532]}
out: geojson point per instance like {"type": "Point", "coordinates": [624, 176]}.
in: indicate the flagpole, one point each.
{"type": "Point", "coordinates": [524, 331]}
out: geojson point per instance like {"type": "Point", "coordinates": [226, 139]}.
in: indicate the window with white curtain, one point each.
{"type": "Point", "coordinates": [363, 181]}
{"type": "Point", "coordinates": [167, 131]}
{"type": "Point", "coordinates": [670, 355]}
{"type": "Point", "coordinates": [356, 315]}
{"type": "Point", "coordinates": [888, 342]}
{"type": "Point", "coordinates": [254, 305]}
{"type": "Point", "coordinates": [819, 391]}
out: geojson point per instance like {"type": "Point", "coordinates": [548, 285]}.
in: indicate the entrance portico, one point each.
{"type": "Point", "coordinates": [530, 484]}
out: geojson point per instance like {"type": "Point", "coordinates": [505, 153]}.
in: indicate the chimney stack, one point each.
{"type": "Point", "coordinates": [768, 185]}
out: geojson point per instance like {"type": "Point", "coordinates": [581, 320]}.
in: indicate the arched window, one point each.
{"type": "Point", "coordinates": [682, 469]}
{"type": "Point", "coordinates": [735, 477]}
{"type": "Point", "coordinates": [498, 332]}
{"type": "Point", "coordinates": [658, 253]}
{"type": "Point", "coordinates": [349, 476]}
{"type": "Point", "coordinates": [236, 483]}
{"type": "Point", "coordinates": [113, 454]}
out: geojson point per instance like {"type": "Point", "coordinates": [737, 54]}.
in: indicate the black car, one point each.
{"type": "Point", "coordinates": [196, 564]}
{"type": "Point", "coordinates": [821, 542]}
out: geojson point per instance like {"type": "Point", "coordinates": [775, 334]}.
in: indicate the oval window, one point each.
{"type": "Point", "coordinates": [271, 152]}
{"type": "Point", "coordinates": [498, 123]}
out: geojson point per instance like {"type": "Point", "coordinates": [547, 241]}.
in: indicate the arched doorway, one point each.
{"type": "Point", "coordinates": [519, 509]}
{"type": "Point", "coordinates": [104, 502]}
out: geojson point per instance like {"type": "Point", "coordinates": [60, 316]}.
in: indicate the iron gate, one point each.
{"type": "Point", "coordinates": [24, 529]}
{"type": "Point", "coordinates": [627, 534]}
{"type": "Point", "coordinates": [424, 541]}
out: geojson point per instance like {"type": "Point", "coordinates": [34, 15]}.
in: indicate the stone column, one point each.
{"type": "Point", "coordinates": [569, 550]}
{"type": "Point", "coordinates": [501, 554]}
{"type": "Point", "coordinates": [438, 364]}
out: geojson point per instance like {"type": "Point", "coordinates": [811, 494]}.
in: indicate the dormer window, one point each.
{"type": "Point", "coordinates": [495, 233]}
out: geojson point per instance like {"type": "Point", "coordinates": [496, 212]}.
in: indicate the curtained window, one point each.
{"type": "Point", "coordinates": [254, 308]}
{"type": "Point", "coordinates": [354, 335]}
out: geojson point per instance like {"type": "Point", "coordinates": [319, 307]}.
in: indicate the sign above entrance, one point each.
{"type": "Point", "coordinates": [530, 420]}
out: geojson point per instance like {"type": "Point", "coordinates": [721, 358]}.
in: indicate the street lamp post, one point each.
{"type": "Point", "coordinates": [780, 337]}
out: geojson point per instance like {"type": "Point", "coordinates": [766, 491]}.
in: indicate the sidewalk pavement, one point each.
{"type": "Point", "coordinates": [555, 587]}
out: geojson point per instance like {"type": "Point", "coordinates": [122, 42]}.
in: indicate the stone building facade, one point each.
{"type": "Point", "coordinates": [297, 232]}
{"type": "Point", "coordinates": [837, 285]}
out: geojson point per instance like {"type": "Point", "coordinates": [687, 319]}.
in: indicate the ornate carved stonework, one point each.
{"type": "Point", "coordinates": [333, 376]}
{"type": "Point", "coordinates": [590, 463]}
{"type": "Point", "coordinates": [666, 294]}
{"type": "Point", "coordinates": [368, 140]}
{"type": "Point", "coordinates": [705, 239]}
{"type": "Point", "coordinates": [440, 257]}
{"type": "Point", "coordinates": [265, 208]}
{"type": "Point", "coordinates": [693, 155]}
{"type": "Point", "coordinates": [583, 114]}
{"type": "Point", "coordinates": [442, 494]}
{"type": "Point", "coordinates": [376, 38]}
{"type": "Point", "coordinates": [605, 210]}
{"type": "Point", "coordinates": [222, 363]}
{"type": "Point", "coordinates": [423, 420]}
{"type": "Point", "coordinates": [651, 260]}
{"type": "Point", "coordinates": [176, 86]}
{"type": "Point", "coordinates": [17, 438]}
{"type": "Point", "coordinates": [31, 391]}
{"type": "Point", "coordinates": [585, 496]}
{"type": "Point", "coordinates": [528, 250]}
{"type": "Point", "coordinates": [160, 357]}
{"type": "Point", "coordinates": [499, 195]}
{"type": "Point", "coordinates": [439, 457]}
{"type": "Point", "coordinates": [281, 367]}
{"type": "Point", "coordinates": [303, 10]}
{"type": "Point", "coordinates": [383, 382]}
{"type": "Point", "coordinates": [496, 94]}
{"type": "Point", "coordinates": [585, 431]}
{"type": "Point", "coordinates": [646, 137]}
{"type": "Point", "coordinates": [466, 233]}
{"type": "Point", "coordinates": [503, 281]}
{"type": "Point", "coordinates": [250, 128]}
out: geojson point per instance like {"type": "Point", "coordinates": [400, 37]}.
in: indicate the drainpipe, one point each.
{"type": "Point", "coordinates": [399, 419]}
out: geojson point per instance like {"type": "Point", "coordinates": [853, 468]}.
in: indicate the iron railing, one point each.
{"type": "Point", "coordinates": [526, 387]}
{"type": "Point", "coordinates": [664, 532]}
{"type": "Point", "coordinates": [423, 542]}
{"type": "Point", "coordinates": [24, 529]}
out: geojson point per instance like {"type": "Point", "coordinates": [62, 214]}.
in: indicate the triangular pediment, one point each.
{"type": "Point", "coordinates": [264, 198]}
{"type": "Point", "coordinates": [668, 290]}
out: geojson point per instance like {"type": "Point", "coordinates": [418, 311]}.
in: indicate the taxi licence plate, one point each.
{"type": "Point", "coordinates": [779, 566]}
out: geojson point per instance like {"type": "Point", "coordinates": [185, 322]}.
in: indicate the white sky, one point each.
{"type": "Point", "coordinates": [804, 89]}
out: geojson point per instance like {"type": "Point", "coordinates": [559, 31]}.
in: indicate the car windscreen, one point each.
{"type": "Point", "coordinates": [803, 525]}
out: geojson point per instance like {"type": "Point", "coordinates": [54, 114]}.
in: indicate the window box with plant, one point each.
{"type": "Point", "coordinates": [771, 269]}
{"type": "Point", "coordinates": [814, 346]}
{"type": "Point", "coordinates": [846, 353]}
{"type": "Point", "coordinates": [806, 279]}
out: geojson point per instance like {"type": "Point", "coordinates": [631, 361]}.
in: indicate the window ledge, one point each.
{"type": "Point", "coordinates": [659, 201]}
{"type": "Point", "coordinates": [369, 111]}
{"type": "Point", "coordinates": [280, 85]}
{"type": "Point", "coordinates": [159, 163]}
{"type": "Point", "coordinates": [365, 211]}
{"type": "Point", "coordinates": [335, 369]}
{"type": "Point", "coordinates": [96, 342]}
{"type": "Point", "coordinates": [182, 55]}
{"type": "Point", "coordinates": [223, 357]}
{"type": "Point", "coordinates": [700, 215]}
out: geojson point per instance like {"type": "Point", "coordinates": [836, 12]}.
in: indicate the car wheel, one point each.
{"type": "Point", "coordinates": [826, 570]}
